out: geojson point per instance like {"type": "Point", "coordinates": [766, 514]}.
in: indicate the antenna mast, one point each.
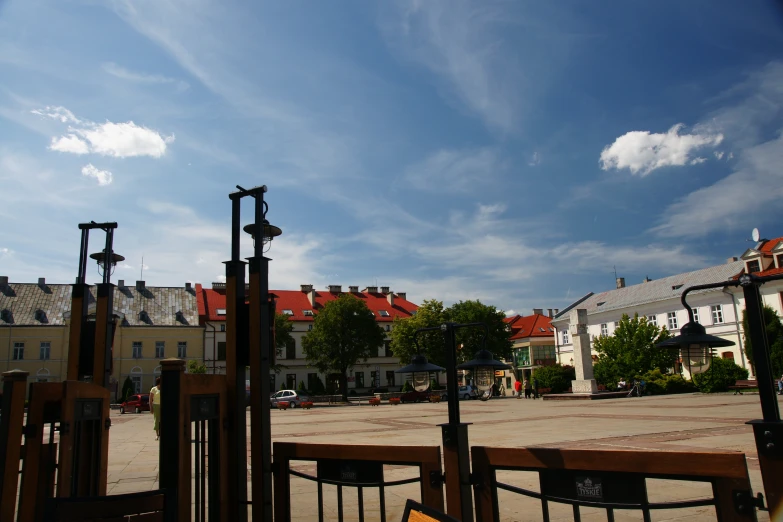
{"type": "Point", "coordinates": [141, 277]}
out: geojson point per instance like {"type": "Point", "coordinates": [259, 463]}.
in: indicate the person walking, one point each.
{"type": "Point", "coordinates": [780, 385]}
{"type": "Point", "coordinates": [535, 388]}
{"type": "Point", "coordinates": [518, 388]}
{"type": "Point", "coordinates": [528, 389]}
{"type": "Point", "coordinates": [155, 405]}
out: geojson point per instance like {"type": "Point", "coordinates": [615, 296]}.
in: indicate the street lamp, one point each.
{"type": "Point", "coordinates": [420, 370]}
{"type": "Point", "coordinates": [268, 233]}
{"type": "Point", "coordinates": [483, 368]}
{"type": "Point", "coordinates": [100, 258]}
{"type": "Point", "coordinates": [693, 342]}
{"type": "Point", "coordinates": [456, 452]}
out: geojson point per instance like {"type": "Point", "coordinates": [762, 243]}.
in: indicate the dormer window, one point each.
{"type": "Point", "coordinates": [40, 316]}
{"type": "Point", "coordinates": [383, 313]}
{"type": "Point", "coordinates": [753, 266]}
{"type": "Point", "coordinates": [542, 329]}
{"type": "Point", "coordinates": [288, 312]}
{"type": "Point", "coordinates": [601, 303]}
{"type": "Point", "coordinates": [779, 260]}
{"type": "Point", "coordinates": [144, 317]}
{"type": "Point", "coordinates": [307, 313]}
{"type": "Point", "coordinates": [221, 311]}
{"type": "Point", "coordinates": [5, 315]}
{"type": "Point", "coordinates": [676, 287]}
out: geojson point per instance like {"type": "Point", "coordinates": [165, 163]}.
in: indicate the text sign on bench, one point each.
{"type": "Point", "coordinates": [350, 471]}
{"type": "Point", "coordinates": [592, 486]}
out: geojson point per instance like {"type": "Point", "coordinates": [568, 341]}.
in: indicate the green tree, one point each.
{"type": "Point", "coordinates": [283, 329]}
{"type": "Point", "coordinates": [195, 366]}
{"type": "Point", "coordinates": [430, 314]}
{"type": "Point", "coordinates": [127, 388]}
{"type": "Point", "coordinates": [630, 351]}
{"type": "Point", "coordinates": [343, 333]}
{"type": "Point", "coordinates": [774, 331]}
{"type": "Point", "coordinates": [498, 336]}
{"type": "Point", "coordinates": [556, 377]}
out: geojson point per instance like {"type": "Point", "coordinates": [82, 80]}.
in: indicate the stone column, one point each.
{"type": "Point", "coordinates": [583, 362]}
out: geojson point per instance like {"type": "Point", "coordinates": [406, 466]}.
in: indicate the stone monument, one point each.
{"type": "Point", "coordinates": [583, 361]}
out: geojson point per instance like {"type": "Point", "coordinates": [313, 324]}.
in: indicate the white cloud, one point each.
{"type": "Point", "coordinates": [70, 143]}
{"type": "Point", "coordinates": [698, 161]}
{"type": "Point", "coordinates": [641, 152]}
{"type": "Point", "coordinates": [719, 154]}
{"type": "Point", "coordinates": [454, 170]}
{"type": "Point", "coordinates": [104, 177]}
{"type": "Point", "coordinates": [125, 74]}
{"type": "Point", "coordinates": [510, 313]}
{"type": "Point", "coordinates": [57, 113]}
{"type": "Point", "coordinates": [535, 159]}
{"type": "Point", "coordinates": [119, 140]}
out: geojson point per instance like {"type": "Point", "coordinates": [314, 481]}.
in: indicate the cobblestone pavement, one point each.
{"type": "Point", "coordinates": [690, 422]}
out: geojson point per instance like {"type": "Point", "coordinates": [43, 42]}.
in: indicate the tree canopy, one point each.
{"type": "Point", "coordinates": [283, 329]}
{"type": "Point", "coordinates": [432, 314]}
{"type": "Point", "coordinates": [630, 351]}
{"type": "Point", "coordinates": [344, 332]}
{"type": "Point", "coordinates": [774, 330]}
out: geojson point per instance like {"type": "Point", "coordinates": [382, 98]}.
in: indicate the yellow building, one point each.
{"type": "Point", "coordinates": [153, 323]}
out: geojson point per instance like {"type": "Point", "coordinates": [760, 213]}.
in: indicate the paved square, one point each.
{"type": "Point", "coordinates": [674, 422]}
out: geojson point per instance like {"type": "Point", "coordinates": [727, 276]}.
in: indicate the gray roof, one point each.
{"type": "Point", "coordinates": [161, 305]}
{"type": "Point", "coordinates": [657, 290]}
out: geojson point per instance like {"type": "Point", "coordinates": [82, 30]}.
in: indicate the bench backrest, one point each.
{"type": "Point", "coordinates": [149, 506]}
{"type": "Point", "coordinates": [747, 382]}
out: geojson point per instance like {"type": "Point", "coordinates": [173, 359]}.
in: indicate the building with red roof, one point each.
{"type": "Point", "coordinates": [534, 344]}
{"type": "Point", "coordinates": [302, 306]}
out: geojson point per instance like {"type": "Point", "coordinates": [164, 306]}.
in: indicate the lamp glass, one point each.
{"type": "Point", "coordinates": [697, 358]}
{"type": "Point", "coordinates": [421, 381]}
{"type": "Point", "coordinates": [483, 378]}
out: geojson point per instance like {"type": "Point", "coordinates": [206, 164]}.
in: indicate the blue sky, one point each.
{"type": "Point", "coordinates": [514, 152]}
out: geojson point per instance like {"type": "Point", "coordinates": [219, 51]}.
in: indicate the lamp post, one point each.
{"type": "Point", "coordinates": [693, 341]}
{"type": "Point", "coordinates": [250, 342]}
{"type": "Point", "coordinates": [420, 370]}
{"type": "Point", "coordinates": [456, 452]}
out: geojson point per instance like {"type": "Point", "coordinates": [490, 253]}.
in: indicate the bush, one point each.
{"type": "Point", "coordinates": [407, 387]}
{"type": "Point", "coordinates": [721, 374]}
{"type": "Point", "coordinates": [658, 383]}
{"type": "Point", "coordinates": [317, 386]}
{"type": "Point", "coordinates": [434, 385]}
{"type": "Point", "coordinates": [557, 378]}
{"type": "Point", "coordinates": [127, 389]}
{"type": "Point", "coordinates": [301, 387]}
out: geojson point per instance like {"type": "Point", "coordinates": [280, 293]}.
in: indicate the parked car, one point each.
{"type": "Point", "coordinates": [415, 396]}
{"type": "Point", "coordinates": [136, 404]}
{"type": "Point", "coordinates": [292, 397]}
{"type": "Point", "coordinates": [468, 392]}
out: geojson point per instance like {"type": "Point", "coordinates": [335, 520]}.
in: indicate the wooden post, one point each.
{"type": "Point", "coordinates": [174, 437]}
{"type": "Point", "coordinates": [282, 479]}
{"type": "Point", "coordinates": [78, 313]}
{"type": "Point", "coordinates": [103, 334]}
{"type": "Point", "coordinates": [484, 485]}
{"type": "Point", "coordinates": [14, 384]}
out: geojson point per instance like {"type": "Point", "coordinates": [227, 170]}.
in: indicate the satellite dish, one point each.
{"type": "Point", "coordinates": [755, 234]}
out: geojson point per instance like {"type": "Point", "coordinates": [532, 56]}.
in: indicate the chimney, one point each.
{"type": "Point", "coordinates": [620, 282]}
{"type": "Point", "coordinates": [311, 296]}
{"type": "Point", "coordinates": [306, 288]}
{"type": "Point", "coordinates": [402, 295]}
{"type": "Point", "coordinates": [3, 281]}
{"type": "Point", "coordinates": [733, 259]}
{"type": "Point", "coordinates": [41, 281]}
{"type": "Point", "coordinates": [121, 283]}
{"type": "Point", "coordinates": [188, 286]}
{"type": "Point", "coordinates": [538, 311]}
{"type": "Point", "coordinates": [646, 279]}
{"type": "Point", "coordinates": [353, 289]}
{"type": "Point", "coordinates": [549, 312]}
{"type": "Point", "coordinates": [556, 311]}
{"type": "Point", "coordinates": [139, 285]}
{"type": "Point", "coordinates": [390, 298]}
{"type": "Point", "coordinates": [335, 289]}
{"type": "Point", "coordinates": [371, 290]}
{"type": "Point", "coordinates": [384, 289]}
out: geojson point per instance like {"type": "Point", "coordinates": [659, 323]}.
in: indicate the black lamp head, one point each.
{"type": "Point", "coordinates": [269, 231]}
{"type": "Point", "coordinates": [483, 368]}
{"type": "Point", "coordinates": [419, 364]}
{"type": "Point", "coordinates": [100, 258]}
{"type": "Point", "coordinates": [695, 346]}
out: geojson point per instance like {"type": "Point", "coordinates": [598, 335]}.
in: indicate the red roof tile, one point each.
{"type": "Point", "coordinates": [298, 301]}
{"type": "Point", "coordinates": [770, 245]}
{"type": "Point", "coordinates": [529, 326]}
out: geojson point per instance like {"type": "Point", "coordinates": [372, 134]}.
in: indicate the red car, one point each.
{"type": "Point", "coordinates": [136, 404]}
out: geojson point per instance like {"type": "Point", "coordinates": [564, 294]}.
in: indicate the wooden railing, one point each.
{"type": "Point", "coordinates": [610, 480]}
{"type": "Point", "coordinates": [355, 466]}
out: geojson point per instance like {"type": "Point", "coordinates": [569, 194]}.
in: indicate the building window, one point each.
{"type": "Point", "coordinates": [272, 382]}
{"type": "Point", "coordinates": [290, 381]}
{"type": "Point", "coordinates": [383, 313]}
{"type": "Point", "coordinates": [359, 379]}
{"type": "Point", "coordinates": [309, 327]}
{"type": "Point", "coordinates": [290, 349]}
{"type": "Point", "coordinates": [389, 377]}
{"type": "Point", "coordinates": [136, 379]}
{"type": "Point", "coordinates": [307, 313]}
{"type": "Point", "coordinates": [695, 315]}
{"type": "Point", "coordinates": [671, 317]}
{"type": "Point", "coordinates": [312, 378]}
{"type": "Point", "coordinates": [221, 311]}
{"type": "Point", "coordinates": [387, 349]}
{"type": "Point", "coordinates": [652, 319]}
{"type": "Point", "coordinates": [728, 355]}
{"type": "Point", "coordinates": [754, 266]}
{"type": "Point", "coordinates": [160, 349]}
{"type": "Point", "coordinates": [182, 350]}
{"type": "Point", "coordinates": [717, 314]}
{"type": "Point", "coordinates": [222, 328]}
{"type": "Point", "coordinates": [42, 375]}
{"type": "Point", "coordinates": [604, 330]}
{"type": "Point", "coordinates": [46, 349]}
{"type": "Point", "coordinates": [137, 351]}
{"type": "Point", "coordinates": [376, 379]}
{"type": "Point", "coordinates": [565, 337]}
{"type": "Point", "coordinates": [18, 351]}
{"type": "Point", "coordinates": [780, 260]}
{"type": "Point", "coordinates": [221, 355]}
{"type": "Point", "coordinates": [388, 328]}
{"type": "Point", "coordinates": [542, 355]}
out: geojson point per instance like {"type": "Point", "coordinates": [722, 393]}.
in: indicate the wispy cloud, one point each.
{"type": "Point", "coordinates": [641, 152]}
{"type": "Point", "coordinates": [103, 177]}
{"type": "Point", "coordinates": [455, 170]}
{"type": "Point", "coordinates": [138, 77]}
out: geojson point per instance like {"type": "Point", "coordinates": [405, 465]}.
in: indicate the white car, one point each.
{"type": "Point", "coordinates": [293, 398]}
{"type": "Point", "coordinates": [468, 392]}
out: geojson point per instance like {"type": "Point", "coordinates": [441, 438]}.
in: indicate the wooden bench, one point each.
{"type": "Point", "coordinates": [743, 385]}
{"type": "Point", "coordinates": [148, 506]}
